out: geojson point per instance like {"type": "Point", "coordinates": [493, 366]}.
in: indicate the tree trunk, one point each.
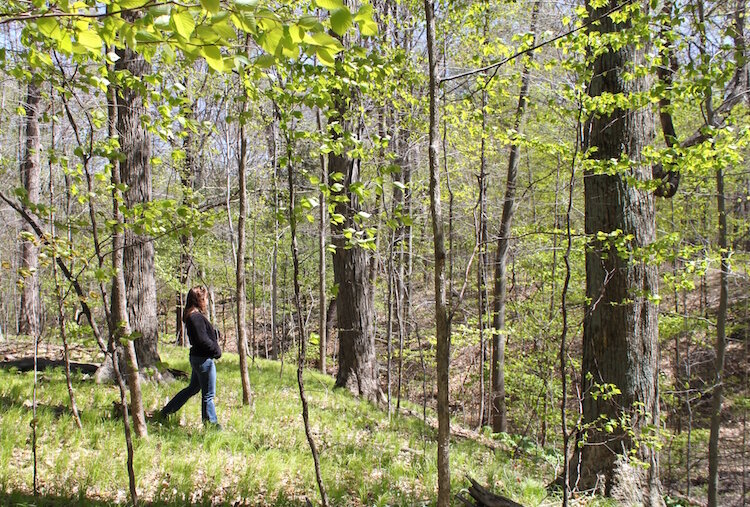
{"type": "Point", "coordinates": [442, 323]}
{"type": "Point", "coordinates": [358, 366]}
{"type": "Point", "coordinates": [620, 337]}
{"type": "Point", "coordinates": [187, 180]}
{"type": "Point", "coordinates": [119, 324]}
{"type": "Point", "coordinates": [273, 146]}
{"type": "Point", "coordinates": [721, 345]}
{"type": "Point", "coordinates": [241, 238]}
{"type": "Point", "coordinates": [322, 222]}
{"type": "Point", "coordinates": [135, 172]}
{"type": "Point", "coordinates": [499, 417]}
{"type": "Point", "coordinates": [31, 180]}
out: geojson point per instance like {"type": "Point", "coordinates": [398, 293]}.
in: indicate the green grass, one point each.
{"type": "Point", "coordinates": [261, 458]}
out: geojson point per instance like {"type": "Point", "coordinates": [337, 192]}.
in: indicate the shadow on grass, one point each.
{"type": "Point", "coordinates": [58, 411]}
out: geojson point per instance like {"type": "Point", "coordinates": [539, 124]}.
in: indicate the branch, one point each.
{"type": "Point", "coordinates": [537, 46]}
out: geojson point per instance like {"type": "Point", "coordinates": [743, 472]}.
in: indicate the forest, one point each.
{"type": "Point", "coordinates": [455, 252]}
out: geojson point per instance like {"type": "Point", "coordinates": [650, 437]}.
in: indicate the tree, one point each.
{"type": "Point", "coordinates": [135, 173]}
{"type": "Point", "coordinates": [31, 179]}
{"type": "Point", "coordinates": [358, 365]}
{"type": "Point", "coordinates": [241, 240]}
{"type": "Point", "coordinates": [499, 417]}
{"type": "Point", "coordinates": [620, 354]}
{"type": "Point", "coordinates": [442, 323]}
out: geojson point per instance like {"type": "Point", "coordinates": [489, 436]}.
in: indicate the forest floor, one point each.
{"type": "Point", "coordinates": [261, 457]}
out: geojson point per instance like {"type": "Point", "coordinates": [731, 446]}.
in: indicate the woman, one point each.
{"type": "Point", "coordinates": [203, 350]}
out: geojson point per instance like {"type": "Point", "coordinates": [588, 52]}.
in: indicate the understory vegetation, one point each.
{"type": "Point", "coordinates": [259, 458]}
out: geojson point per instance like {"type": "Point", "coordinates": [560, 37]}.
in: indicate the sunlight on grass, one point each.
{"type": "Point", "coordinates": [261, 457]}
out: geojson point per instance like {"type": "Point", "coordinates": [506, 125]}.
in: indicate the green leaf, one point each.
{"type": "Point", "coordinates": [131, 4]}
{"type": "Point", "coordinates": [368, 28]}
{"type": "Point", "coordinates": [211, 6]}
{"type": "Point", "coordinates": [145, 36]}
{"type": "Point", "coordinates": [308, 22]}
{"type": "Point", "coordinates": [367, 25]}
{"type": "Point", "coordinates": [326, 41]}
{"type": "Point", "coordinates": [212, 54]}
{"type": "Point", "coordinates": [246, 5]}
{"type": "Point", "coordinates": [271, 40]}
{"type": "Point", "coordinates": [90, 39]}
{"type": "Point", "coordinates": [265, 61]}
{"type": "Point", "coordinates": [341, 20]}
{"type": "Point", "coordinates": [224, 30]}
{"type": "Point", "coordinates": [163, 22]}
{"type": "Point", "coordinates": [364, 13]}
{"type": "Point", "coordinates": [325, 56]}
{"type": "Point", "coordinates": [184, 24]}
{"type": "Point", "coordinates": [330, 5]}
{"type": "Point", "coordinates": [244, 22]}
{"type": "Point", "coordinates": [49, 28]}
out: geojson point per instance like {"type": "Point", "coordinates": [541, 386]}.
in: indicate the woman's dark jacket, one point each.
{"type": "Point", "coordinates": [204, 339]}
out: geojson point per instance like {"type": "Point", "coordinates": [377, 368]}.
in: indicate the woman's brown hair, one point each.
{"type": "Point", "coordinates": [197, 300]}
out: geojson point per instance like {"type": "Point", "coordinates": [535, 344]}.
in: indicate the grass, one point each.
{"type": "Point", "coordinates": [261, 457]}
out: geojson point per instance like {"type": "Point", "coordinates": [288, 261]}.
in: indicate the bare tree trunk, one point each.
{"type": "Point", "coordinates": [184, 267]}
{"type": "Point", "coordinates": [241, 233]}
{"type": "Point", "coordinates": [443, 331]}
{"type": "Point", "coordinates": [564, 310]}
{"type": "Point", "coordinates": [322, 229]}
{"type": "Point", "coordinates": [499, 417]}
{"type": "Point", "coordinates": [481, 238]}
{"type": "Point", "coordinates": [135, 172]}
{"type": "Point", "coordinates": [721, 345]}
{"type": "Point", "coordinates": [120, 330]}
{"type": "Point", "coordinates": [31, 180]}
{"type": "Point", "coordinates": [274, 146]}
{"type": "Point", "coordinates": [358, 367]}
{"type": "Point", "coordinates": [621, 318]}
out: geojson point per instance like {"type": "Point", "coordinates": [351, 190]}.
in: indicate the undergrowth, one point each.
{"type": "Point", "coordinates": [261, 457]}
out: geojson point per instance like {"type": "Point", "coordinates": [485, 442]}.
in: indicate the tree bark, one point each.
{"type": "Point", "coordinates": [620, 339]}
{"type": "Point", "coordinates": [119, 325]}
{"type": "Point", "coordinates": [442, 324]}
{"type": "Point", "coordinates": [31, 180]}
{"type": "Point", "coordinates": [135, 172]}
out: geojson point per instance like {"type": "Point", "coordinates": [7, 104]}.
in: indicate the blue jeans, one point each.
{"type": "Point", "coordinates": [203, 380]}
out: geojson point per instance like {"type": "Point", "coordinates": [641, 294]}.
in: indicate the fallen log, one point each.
{"type": "Point", "coordinates": [27, 364]}
{"type": "Point", "coordinates": [42, 363]}
{"type": "Point", "coordinates": [483, 497]}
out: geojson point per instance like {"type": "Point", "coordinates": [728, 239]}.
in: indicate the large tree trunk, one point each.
{"type": "Point", "coordinates": [620, 338]}
{"type": "Point", "coordinates": [31, 179]}
{"type": "Point", "coordinates": [119, 320]}
{"type": "Point", "coordinates": [135, 172]}
{"type": "Point", "coordinates": [358, 365]}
